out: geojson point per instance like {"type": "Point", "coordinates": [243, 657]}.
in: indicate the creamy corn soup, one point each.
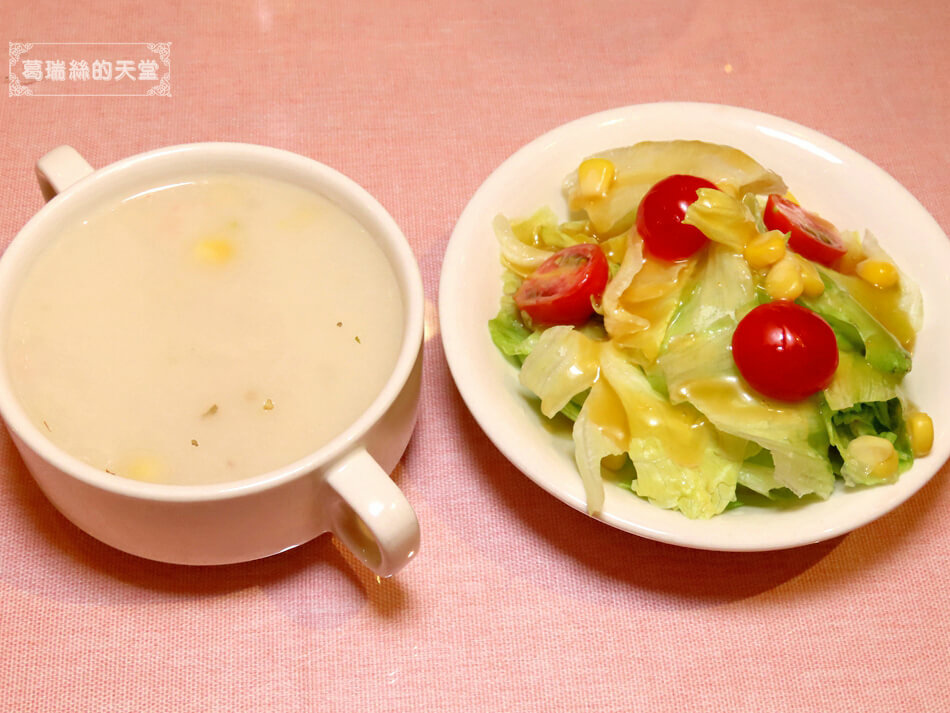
{"type": "Point", "coordinates": [205, 331]}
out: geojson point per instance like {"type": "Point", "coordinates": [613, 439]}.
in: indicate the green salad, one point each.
{"type": "Point", "coordinates": [711, 342]}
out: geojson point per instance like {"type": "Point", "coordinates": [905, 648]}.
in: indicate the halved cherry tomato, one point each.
{"type": "Point", "coordinates": [660, 217]}
{"type": "Point", "coordinates": [810, 235]}
{"type": "Point", "coordinates": [785, 351]}
{"type": "Point", "coordinates": [560, 290]}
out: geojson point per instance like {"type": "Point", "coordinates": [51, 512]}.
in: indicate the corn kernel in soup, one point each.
{"type": "Point", "coordinates": [206, 331]}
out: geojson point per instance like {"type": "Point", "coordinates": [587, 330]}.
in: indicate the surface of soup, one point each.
{"type": "Point", "coordinates": [206, 331]}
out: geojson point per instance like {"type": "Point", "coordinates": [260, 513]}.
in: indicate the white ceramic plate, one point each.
{"type": "Point", "coordinates": [824, 175]}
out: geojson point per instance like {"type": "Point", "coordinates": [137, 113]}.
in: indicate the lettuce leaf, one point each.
{"type": "Point", "coordinates": [699, 370]}
{"type": "Point", "coordinates": [513, 338]}
{"type": "Point", "coordinates": [861, 401]}
{"type": "Point", "coordinates": [676, 454]}
{"type": "Point", "coordinates": [516, 341]}
{"type": "Point", "coordinates": [855, 327]}
{"type": "Point", "coordinates": [640, 301]}
{"type": "Point", "coordinates": [599, 431]}
{"type": "Point", "coordinates": [903, 313]}
{"type": "Point", "coordinates": [518, 256]}
{"type": "Point", "coordinates": [855, 382]}
{"type": "Point", "coordinates": [562, 364]}
{"type": "Point", "coordinates": [639, 166]}
{"type": "Point", "coordinates": [543, 230]}
{"type": "Point", "coordinates": [876, 418]}
{"type": "Point", "coordinates": [759, 478]}
{"type": "Point", "coordinates": [756, 210]}
{"type": "Point", "coordinates": [722, 218]}
{"type": "Point", "coordinates": [724, 287]}
{"type": "Point", "coordinates": [510, 335]}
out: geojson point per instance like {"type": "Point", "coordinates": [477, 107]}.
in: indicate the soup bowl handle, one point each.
{"type": "Point", "coordinates": [368, 513]}
{"type": "Point", "coordinates": [60, 168]}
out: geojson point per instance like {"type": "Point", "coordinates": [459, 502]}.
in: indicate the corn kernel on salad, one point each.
{"type": "Point", "coordinates": [714, 343]}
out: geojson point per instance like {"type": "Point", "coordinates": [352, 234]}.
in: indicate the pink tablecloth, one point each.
{"type": "Point", "coordinates": [516, 602]}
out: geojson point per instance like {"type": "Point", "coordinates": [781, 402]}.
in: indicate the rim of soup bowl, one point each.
{"type": "Point", "coordinates": [321, 178]}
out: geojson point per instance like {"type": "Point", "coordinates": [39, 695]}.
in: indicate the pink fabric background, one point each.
{"type": "Point", "coordinates": [516, 602]}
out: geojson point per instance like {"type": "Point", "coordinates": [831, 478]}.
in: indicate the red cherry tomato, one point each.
{"type": "Point", "coordinates": [560, 290]}
{"type": "Point", "coordinates": [785, 351]}
{"type": "Point", "coordinates": [810, 235]}
{"type": "Point", "coordinates": [660, 217]}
